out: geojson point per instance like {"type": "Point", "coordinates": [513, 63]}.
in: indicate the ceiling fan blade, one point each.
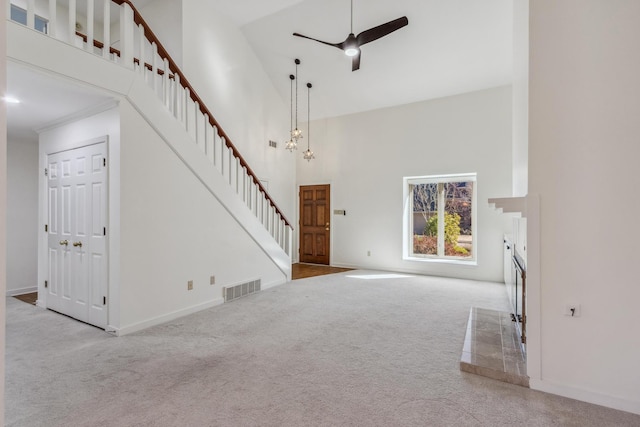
{"type": "Point", "coordinates": [375, 33]}
{"type": "Point", "coordinates": [355, 62]}
{"type": "Point", "coordinates": [338, 45]}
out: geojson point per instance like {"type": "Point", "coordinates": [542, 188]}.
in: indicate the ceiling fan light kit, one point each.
{"type": "Point", "coordinates": [352, 44]}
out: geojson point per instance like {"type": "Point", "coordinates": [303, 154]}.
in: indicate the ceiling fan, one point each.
{"type": "Point", "coordinates": [351, 45]}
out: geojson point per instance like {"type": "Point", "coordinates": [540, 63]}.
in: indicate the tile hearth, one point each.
{"type": "Point", "coordinates": [492, 347]}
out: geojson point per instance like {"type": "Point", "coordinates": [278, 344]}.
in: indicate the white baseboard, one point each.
{"type": "Point", "coordinates": [273, 284]}
{"type": "Point", "coordinates": [586, 396]}
{"type": "Point", "coordinates": [21, 291]}
{"type": "Point", "coordinates": [164, 318]}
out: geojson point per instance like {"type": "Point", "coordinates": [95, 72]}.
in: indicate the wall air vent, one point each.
{"type": "Point", "coordinates": [241, 290]}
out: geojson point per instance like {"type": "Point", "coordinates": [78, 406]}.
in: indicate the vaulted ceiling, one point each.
{"type": "Point", "coordinates": [449, 47]}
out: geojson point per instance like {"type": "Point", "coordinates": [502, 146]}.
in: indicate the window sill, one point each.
{"type": "Point", "coordinates": [470, 263]}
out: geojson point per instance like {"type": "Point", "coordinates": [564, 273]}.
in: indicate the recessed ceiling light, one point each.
{"type": "Point", "coordinates": [11, 100]}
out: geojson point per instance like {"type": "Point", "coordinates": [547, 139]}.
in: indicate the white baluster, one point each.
{"type": "Point", "coordinates": [187, 96]}
{"type": "Point", "coordinates": [177, 100]}
{"type": "Point", "coordinates": [273, 221]}
{"type": "Point", "coordinates": [154, 67]}
{"type": "Point", "coordinates": [222, 156]}
{"type": "Point", "coordinates": [230, 163]}
{"type": "Point", "coordinates": [216, 155]}
{"type": "Point", "coordinates": [167, 82]}
{"type": "Point", "coordinates": [237, 175]}
{"type": "Point", "coordinates": [72, 21]}
{"type": "Point", "coordinates": [211, 141]}
{"type": "Point", "coordinates": [106, 30]}
{"type": "Point", "coordinates": [126, 35]}
{"type": "Point", "coordinates": [90, 18]}
{"type": "Point", "coordinates": [245, 188]}
{"type": "Point", "coordinates": [53, 22]}
{"type": "Point", "coordinates": [256, 196]}
{"type": "Point", "coordinates": [261, 209]}
{"type": "Point", "coordinates": [265, 213]}
{"type": "Point", "coordinates": [197, 136]}
{"type": "Point", "coordinates": [275, 225]}
{"type": "Point", "coordinates": [141, 48]}
{"type": "Point", "coordinates": [205, 127]}
{"type": "Point", "coordinates": [267, 224]}
{"type": "Point", "coordinates": [270, 223]}
{"type": "Point", "coordinates": [31, 13]}
{"type": "Point", "coordinates": [195, 111]}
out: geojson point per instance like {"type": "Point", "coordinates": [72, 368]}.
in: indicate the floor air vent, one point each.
{"type": "Point", "coordinates": [241, 290]}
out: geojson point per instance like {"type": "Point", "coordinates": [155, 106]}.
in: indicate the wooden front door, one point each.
{"type": "Point", "coordinates": [314, 223]}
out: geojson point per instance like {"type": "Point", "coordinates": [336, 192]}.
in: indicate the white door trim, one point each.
{"type": "Point", "coordinates": [45, 151]}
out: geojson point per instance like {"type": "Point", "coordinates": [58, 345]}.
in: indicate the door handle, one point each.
{"type": "Point", "coordinates": [64, 242]}
{"type": "Point", "coordinates": [327, 226]}
{"type": "Point", "coordinates": [77, 244]}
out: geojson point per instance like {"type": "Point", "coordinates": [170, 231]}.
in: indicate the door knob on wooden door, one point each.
{"type": "Point", "coordinates": [327, 226]}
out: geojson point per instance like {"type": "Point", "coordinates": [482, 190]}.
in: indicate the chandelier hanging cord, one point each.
{"type": "Point", "coordinates": [296, 133]}
{"type": "Point", "coordinates": [308, 155]}
{"type": "Point", "coordinates": [292, 143]}
{"type": "Point", "coordinates": [292, 78]}
{"type": "Point", "coordinates": [309, 86]}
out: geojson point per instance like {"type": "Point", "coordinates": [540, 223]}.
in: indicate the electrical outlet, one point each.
{"type": "Point", "coordinates": [212, 280]}
{"type": "Point", "coordinates": [572, 310]}
{"type": "Point", "coordinates": [190, 285]}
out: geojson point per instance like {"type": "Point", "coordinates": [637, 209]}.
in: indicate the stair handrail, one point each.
{"type": "Point", "coordinates": [173, 67]}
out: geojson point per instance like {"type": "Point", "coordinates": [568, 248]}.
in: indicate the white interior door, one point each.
{"type": "Point", "coordinates": [77, 205]}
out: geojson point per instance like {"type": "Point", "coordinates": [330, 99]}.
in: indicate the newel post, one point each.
{"type": "Point", "coordinates": [126, 35]}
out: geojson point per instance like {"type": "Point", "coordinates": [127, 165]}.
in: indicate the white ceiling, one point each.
{"type": "Point", "coordinates": [44, 99]}
{"type": "Point", "coordinates": [449, 47]}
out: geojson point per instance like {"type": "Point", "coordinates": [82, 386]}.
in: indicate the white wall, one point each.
{"type": "Point", "coordinates": [174, 230]}
{"type": "Point", "coordinates": [3, 199]}
{"type": "Point", "coordinates": [365, 156]}
{"type": "Point", "coordinates": [520, 96]}
{"type": "Point", "coordinates": [22, 216]}
{"type": "Point", "coordinates": [227, 75]}
{"type": "Point", "coordinates": [583, 160]}
{"type": "Point", "coordinates": [165, 19]}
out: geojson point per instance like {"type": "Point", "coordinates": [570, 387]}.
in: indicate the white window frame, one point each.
{"type": "Point", "coordinates": [407, 222]}
{"type": "Point", "coordinates": [39, 20]}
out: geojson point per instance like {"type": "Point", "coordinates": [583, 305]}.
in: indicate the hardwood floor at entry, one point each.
{"type": "Point", "coordinates": [301, 271]}
{"type": "Point", "coordinates": [29, 298]}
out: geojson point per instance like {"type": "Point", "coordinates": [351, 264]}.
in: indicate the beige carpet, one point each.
{"type": "Point", "coordinates": [356, 348]}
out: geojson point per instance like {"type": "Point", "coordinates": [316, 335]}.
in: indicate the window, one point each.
{"type": "Point", "coordinates": [19, 15]}
{"type": "Point", "coordinates": [440, 218]}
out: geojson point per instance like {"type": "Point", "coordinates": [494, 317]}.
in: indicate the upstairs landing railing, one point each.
{"type": "Point", "coordinates": [137, 48]}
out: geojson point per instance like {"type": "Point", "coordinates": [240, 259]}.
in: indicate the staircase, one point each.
{"type": "Point", "coordinates": [151, 80]}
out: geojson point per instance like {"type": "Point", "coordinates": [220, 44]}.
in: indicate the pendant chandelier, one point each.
{"type": "Point", "coordinates": [308, 155]}
{"type": "Point", "coordinates": [296, 133]}
{"type": "Point", "coordinates": [291, 144]}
